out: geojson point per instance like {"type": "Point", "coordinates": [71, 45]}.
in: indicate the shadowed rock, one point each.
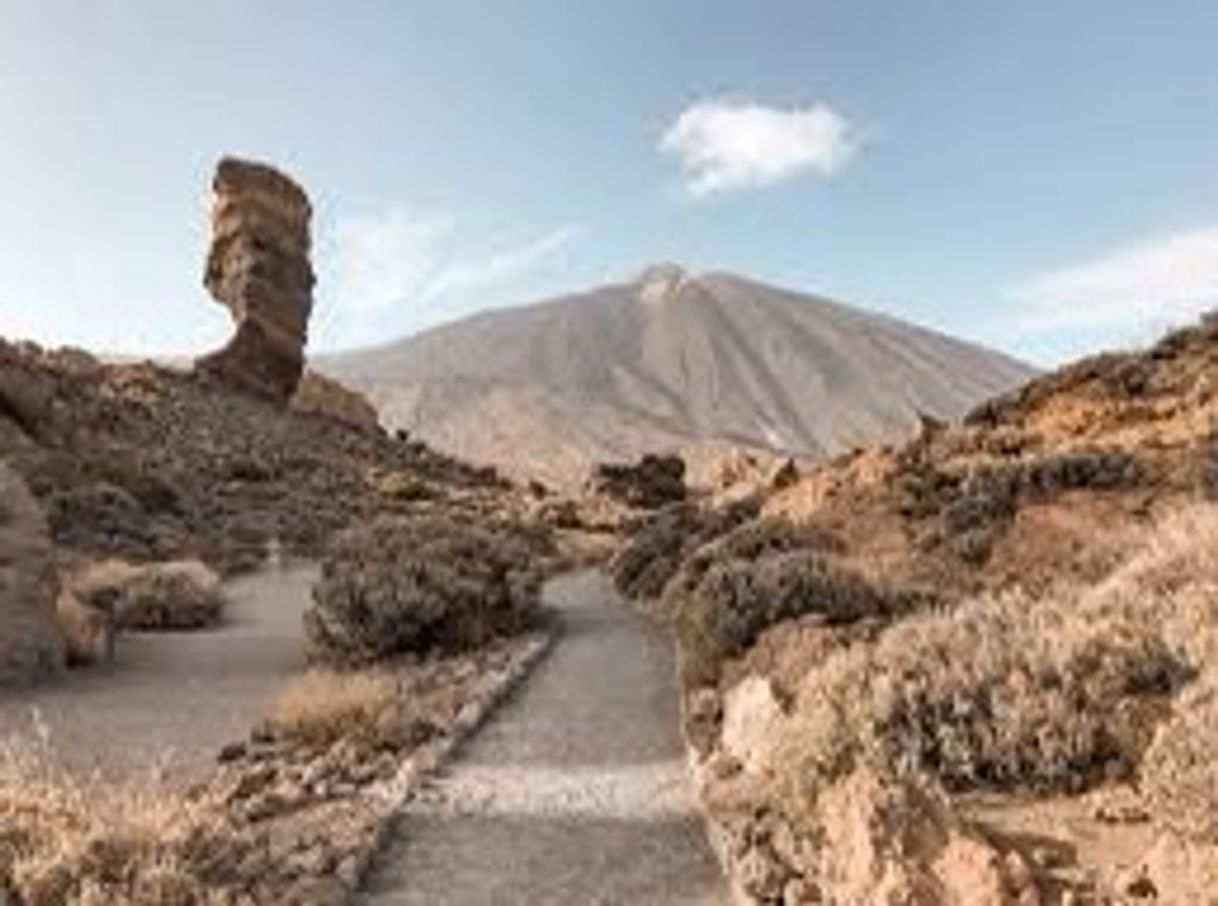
{"type": "Point", "coordinates": [29, 643]}
{"type": "Point", "coordinates": [258, 266]}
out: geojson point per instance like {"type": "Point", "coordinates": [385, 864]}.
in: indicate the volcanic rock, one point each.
{"type": "Point", "coordinates": [317, 394]}
{"type": "Point", "coordinates": [258, 266]}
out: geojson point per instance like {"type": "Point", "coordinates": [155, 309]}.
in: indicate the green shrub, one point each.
{"type": "Point", "coordinates": [402, 585]}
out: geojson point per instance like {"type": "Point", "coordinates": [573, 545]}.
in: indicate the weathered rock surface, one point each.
{"type": "Point", "coordinates": [258, 266]}
{"type": "Point", "coordinates": [319, 395]}
{"type": "Point", "coordinates": [29, 644]}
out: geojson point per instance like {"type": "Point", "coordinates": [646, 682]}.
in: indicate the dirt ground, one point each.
{"type": "Point", "coordinates": [575, 792]}
{"type": "Point", "coordinates": [173, 698]}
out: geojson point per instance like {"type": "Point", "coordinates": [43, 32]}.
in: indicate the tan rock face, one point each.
{"type": "Point", "coordinates": [258, 266]}
{"type": "Point", "coordinates": [29, 643]}
{"type": "Point", "coordinates": [319, 395]}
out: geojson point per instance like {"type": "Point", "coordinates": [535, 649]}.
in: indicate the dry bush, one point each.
{"type": "Point", "coordinates": [1002, 694]}
{"type": "Point", "coordinates": [65, 841]}
{"type": "Point", "coordinates": [400, 585]}
{"type": "Point", "coordinates": [1052, 694]}
{"type": "Point", "coordinates": [1177, 572]}
{"type": "Point", "coordinates": [750, 540]}
{"type": "Point", "coordinates": [87, 633]}
{"type": "Point", "coordinates": [1179, 773]}
{"type": "Point", "coordinates": [736, 600]}
{"type": "Point", "coordinates": [655, 550]}
{"type": "Point", "coordinates": [174, 595]}
{"type": "Point", "coordinates": [322, 706]}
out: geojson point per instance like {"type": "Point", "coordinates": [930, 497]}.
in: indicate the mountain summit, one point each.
{"type": "Point", "coordinates": [669, 361]}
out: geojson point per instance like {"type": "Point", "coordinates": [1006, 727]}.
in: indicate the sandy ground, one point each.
{"type": "Point", "coordinates": [174, 697]}
{"type": "Point", "coordinates": [575, 792]}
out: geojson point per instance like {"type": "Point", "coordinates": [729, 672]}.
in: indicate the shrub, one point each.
{"type": "Point", "coordinates": [175, 595]}
{"type": "Point", "coordinates": [652, 555]}
{"type": "Point", "coordinates": [64, 840]}
{"type": "Point", "coordinates": [737, 599]}
{"type": "Point", "coordinates": [654, 481]}
{"type": "Point", "coordinates": [401, 585]}
{"type": "Point", "coordinates": [748, 541]}
{"type": "Point", "coordinates": [1179, 774]}
{"type": "Point", "coordinates": [1001, 694]}
{"type": "Point", "coordinates": [322, 706]}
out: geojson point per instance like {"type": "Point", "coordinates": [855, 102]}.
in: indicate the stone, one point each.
{"type": "Point", "coordinates": [325, 397]}
{"type": "Point", "coordinates": [30, 645]}
{"type": "Point", "coordinates": [258, 266]}
{"type": "Point", "coordinates": [752, 715]}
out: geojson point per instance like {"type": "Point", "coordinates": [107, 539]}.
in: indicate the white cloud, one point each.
{"type": "Point", "coordinates": [1142, 286]}
{"type": "Point", "coordinates": [392, 273]}
{"type": "Point", "coordinates": [725, 145]}
{"type": "Point", "coordinates": [505, 262]}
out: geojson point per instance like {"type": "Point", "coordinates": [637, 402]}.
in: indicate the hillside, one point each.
{"type": "Point", "coordinates": [669, 361]}
{"type": "Point", "coordinates": [997, 640]}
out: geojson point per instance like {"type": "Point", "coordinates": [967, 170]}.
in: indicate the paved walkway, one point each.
{"type": "Point", "coordinates": [573, 793]}
{"type": "Point", "coordinates": [174, 697]}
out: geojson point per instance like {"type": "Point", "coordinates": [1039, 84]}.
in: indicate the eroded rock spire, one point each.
{"type": "Point", "coordinates": [258, 266]}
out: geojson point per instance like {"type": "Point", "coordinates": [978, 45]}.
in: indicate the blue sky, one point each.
{"type": "Point", "coordinates": [1042, 176]}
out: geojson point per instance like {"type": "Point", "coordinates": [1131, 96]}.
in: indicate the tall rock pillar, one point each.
{"type": "Point", "coordinates": [258, 266]}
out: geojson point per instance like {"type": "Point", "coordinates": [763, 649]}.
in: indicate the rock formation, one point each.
{"type": "Point", "coordinates": [319, 395]}
{"type": "Point", "coordinates": [29, 643]}
{"type": "Point", "coordinates": [258, 266]}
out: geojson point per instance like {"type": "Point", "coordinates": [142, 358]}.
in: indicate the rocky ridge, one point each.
{"type": "Point", "coordinates": [1023, 727]}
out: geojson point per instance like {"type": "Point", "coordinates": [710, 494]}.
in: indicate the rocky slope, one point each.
{"type": "Point", "coordinates": [671, 361]}
{"type": "Point", "coordinates": [975, 667]}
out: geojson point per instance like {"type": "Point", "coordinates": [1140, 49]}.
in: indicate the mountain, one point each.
{"type": "Point", "coordinates": [670, 360]}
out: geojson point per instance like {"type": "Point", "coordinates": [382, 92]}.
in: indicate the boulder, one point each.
{"type": "Point", "coordinates": [751, 712]}
{"type": "Point", "coordinates": [258, 266]}
{"type": "Point", "coordinates": [30, 647]}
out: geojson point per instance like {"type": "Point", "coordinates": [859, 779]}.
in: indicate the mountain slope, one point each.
{"type": "Point", "coordinates": [669, 361]}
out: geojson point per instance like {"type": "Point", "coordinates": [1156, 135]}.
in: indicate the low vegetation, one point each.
{"type": "Point", "coordinates": [736, 599]}
{"type": "Point", "coordinates": [175, 595]}
{"type": "Point", "coordinates": [321, 706]}
{"type": "Point", "coordinates": [416, 585]}
{"type": "Point", "coordinates": [87, 842]}
{"type": "Point", "coordinates": [1050, 695]}
{"type": "Point", "coordinates": [657, 547]}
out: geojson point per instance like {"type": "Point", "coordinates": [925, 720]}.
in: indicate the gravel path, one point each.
{"type": "Point", "coordinates": [174, 698]}
{"type": "Point", "coordinates": [574, 793]}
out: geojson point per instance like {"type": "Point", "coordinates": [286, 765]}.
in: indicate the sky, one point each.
{"type": "Point", "coordinates": [1041, 176]}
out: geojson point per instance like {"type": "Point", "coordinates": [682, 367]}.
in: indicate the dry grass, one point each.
{"type": "Point", "coordinates": [322, 706]}
{"type": "Point", "coordinates": [1010, 692]}
{"type": "Point", "coordinates": [65, 840]}
{"type": "Point", "coordinates": [736, 600]}
{"type": "Point", "coordinates": [173, 595]}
